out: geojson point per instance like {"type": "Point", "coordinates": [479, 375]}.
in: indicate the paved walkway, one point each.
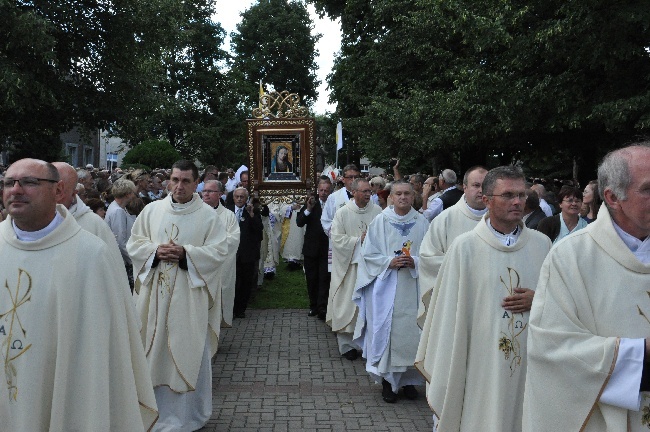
{"type": "Point", "coordinates": [280, 370]}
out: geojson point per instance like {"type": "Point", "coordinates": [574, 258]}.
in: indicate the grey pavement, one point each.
{"type": "Point", "coordinates": [280, 370]}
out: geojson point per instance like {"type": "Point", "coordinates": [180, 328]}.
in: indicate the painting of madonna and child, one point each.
{"type": "Point", "coordinates": [282, 158]}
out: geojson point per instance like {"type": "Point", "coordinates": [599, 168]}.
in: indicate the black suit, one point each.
{"type": "Point", "coordinates": [248, 254]}
{"type": "Point", "coordinates": [534, 218]}
{"type": "Point", "coordinates": [315, 250]}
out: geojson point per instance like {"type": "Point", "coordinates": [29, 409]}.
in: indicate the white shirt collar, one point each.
{"type": "Point", "coordinates": [508, 239]}
{"type": "Point", "coordinates": [640, 249]}
{"type": "Point", "coordinates": [30, 236]}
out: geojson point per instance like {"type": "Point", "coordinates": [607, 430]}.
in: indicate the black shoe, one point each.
{"type": "Point", "coordinates": [322, 315]}
{"type": "Point", "coordinates": [269, 275]}
{"type": "Point", "coordinates": [351, 355]}
{"type": "Point", "coordinates": [387, 392]}
{"type": "Point", "coordinates": [410, 392]}
{"type": "Point", "coordinates": [312, 312]}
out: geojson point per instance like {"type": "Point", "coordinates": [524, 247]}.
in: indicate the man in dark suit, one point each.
{"type": "Point", "coordinates": [248, 252]}
{"type": "Point", "coordinates": [243, 182]}
{"type": "Point", "coordinates": [315, 249]}
{"type": "Point", "coordinates": [533, 213]}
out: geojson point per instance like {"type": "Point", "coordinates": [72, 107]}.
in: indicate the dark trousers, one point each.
{"type": "Point", "coordinates": [318, 282]}
{"type": "Point", "coordinates": [246, 279]}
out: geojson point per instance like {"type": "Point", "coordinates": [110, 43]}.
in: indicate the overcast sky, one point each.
{"type": "Point", "coordinates": [328, 45]}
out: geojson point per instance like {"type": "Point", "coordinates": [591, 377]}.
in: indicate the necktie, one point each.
{"type": "Point", "coordinates": [238, 214]}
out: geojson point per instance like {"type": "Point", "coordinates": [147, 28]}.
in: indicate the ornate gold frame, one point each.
{"type": "Point", "coordinates": [279, 191]}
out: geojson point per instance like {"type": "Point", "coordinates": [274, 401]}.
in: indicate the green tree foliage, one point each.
{"type": "Point", "coordinates": [152, 153]}
{"type": "Point", "coordinates": [545, 82]}
{"type": "Point", "coordinates": [274, 43]}
{"type": "Point", "coordinates": [71, 63]}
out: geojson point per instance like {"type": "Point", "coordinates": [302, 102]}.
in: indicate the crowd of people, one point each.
{"type": "Point", "coordinates": [516, 300]}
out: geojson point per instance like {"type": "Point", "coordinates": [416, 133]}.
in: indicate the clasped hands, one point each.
{"type": "Point", "coordinates": [170, 252]}
{"type": "Point", "coordinates": [402, 261]}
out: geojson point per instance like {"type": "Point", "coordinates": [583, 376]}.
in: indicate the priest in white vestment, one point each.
{"type": "Point", "coordinates": [179, 247]}
{"type": "Point", "coordinates": [84, 216]}
{"type": "Point", "coordinates": [221, 311]}
{"type": "Point", "coordinates": [72, 355]}
{"type": "Point", "coordinates": [336, 201]}
{"type": "Point", "coordinates": [387, 293]}
{"type": "Point", "coordinates": [348, 231]}
{"type": "Point", "coordinates": [456, 220]}
{"type": "Point", "coordinates": [293, 238]}
{"type": "Point", "coordinates": [588, 348]}
{"type": "Point", "coordinates": [474, 357]}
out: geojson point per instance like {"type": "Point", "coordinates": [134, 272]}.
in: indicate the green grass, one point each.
{"type": "Point", "coordinates": [287, 290]}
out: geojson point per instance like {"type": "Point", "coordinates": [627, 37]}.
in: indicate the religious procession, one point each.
{"type": "Point", "coordinates": [191, 241]}
{"type": "Point", "coordinates": [490, 283]}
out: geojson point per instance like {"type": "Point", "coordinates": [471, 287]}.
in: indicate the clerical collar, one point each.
{"type": "Point", "coordinates": [30, 236]}
{"type": "Point", "coordinates": [508, 239]}
{"type": "Point", "coordinates": [178, 206]}
{"type": "Point", "coordinates": [474, 211]}
{"type": "Point", "coordinates": [640, 248]}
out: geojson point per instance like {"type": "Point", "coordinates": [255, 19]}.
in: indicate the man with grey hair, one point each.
{"type": "Point", "coordinates": [475, 343]}
{"type": "Point", "coordinates": [541, 192]}
{"type": "Point", "coordinates": [377, 183]}
{"type": "Point", "coordinates": [591, 318]}
{"type": "Point", "coordinates": [449, 196]}
{"type": "Point", "coordinates": [347, 235]}
{"type": "Point", "coordinates": [85, 178]}
{"type": "Point", "coordinates": [221, 314]}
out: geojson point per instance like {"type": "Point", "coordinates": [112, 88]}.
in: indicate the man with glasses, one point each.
{"type": "Point", "coordinates": [479, 314]}
{"type": "Point", "coordinates": [72, 354]}
{"type": "Point", "coordinates": [347, 235]}
{"type": "Point", "coordinates": [337, 200]}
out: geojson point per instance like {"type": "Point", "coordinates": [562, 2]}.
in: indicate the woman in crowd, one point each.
{"type": "Point", "coordinates": [568, 220]}
{"type": "Point", "coordinates": [97, 206]}
{"type": "Point", "coordinates": [592, 200]}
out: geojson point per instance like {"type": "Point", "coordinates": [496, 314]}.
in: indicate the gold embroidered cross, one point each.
{"type": "Point", "coordinates": [17, 300]}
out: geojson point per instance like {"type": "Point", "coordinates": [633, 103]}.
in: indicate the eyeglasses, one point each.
{"type": "Point", "coordinates": [509, 196]}
{"type": "Point", "coordinates": [205, 191]}
{"type": "Point", "coordinates": [364, 191]}
{"type": "Point", "coordinates": [26, 182]}
{"type": "Point", "coordinates": [572, 201]}
{"type": "Point", "coordinates": [351, 177]}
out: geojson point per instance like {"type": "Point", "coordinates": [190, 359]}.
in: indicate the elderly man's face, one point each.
{"type": "Point", "coordinates": [362, 194]}
{"type": "Point", "coordinates": [633, 214]}
{"type": "Point", "coordinates": [211, 195]}
{"type": "Point", "coordinates": [32, 206]}
{"type": "Point", "coordinates": [324, 190]}
{"type": "Point", "coordinates": [239, 197]}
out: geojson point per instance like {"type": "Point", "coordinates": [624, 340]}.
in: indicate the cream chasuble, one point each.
{"type": "Point", "coordinates": [472, 351]}
{"type": "Point", "coordinates": [335, 201]}
{"type": "Point", "coordinates": [69, 341]}
{"type": "Point", "coordinates": [456, 220]}
{"type": "Point", "coordinates": [228, 222]}
{"type": "Point", "coordinates": [349, 223]}
{"type": "Point", "coordinates": [592, 291]}
{"type": "Point", "coordinates": [173, 303]}
{"type": "Point", "coordinates": [387, 329]}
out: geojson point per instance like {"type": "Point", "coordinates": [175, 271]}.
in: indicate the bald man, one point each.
{"type": "Point", "coordinates": [71, 349]}
{"type": "Point", "coordinates": [82, 213]}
